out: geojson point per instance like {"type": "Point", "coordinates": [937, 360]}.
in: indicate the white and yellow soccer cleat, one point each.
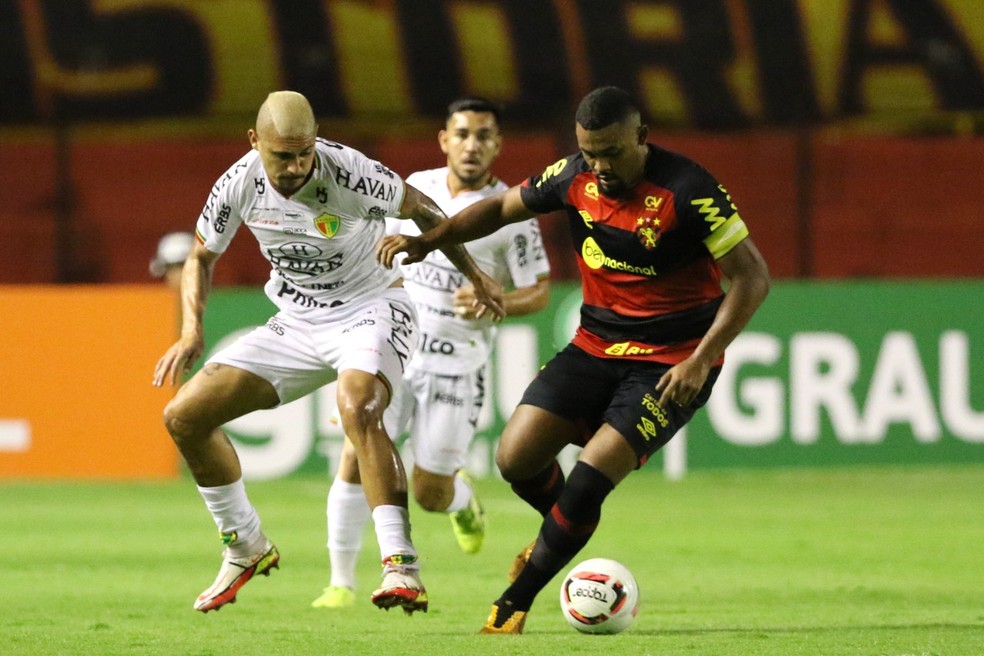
{"type": "Point", "coordinates": [234, 574]}
{"type": "Point", "coordinates": [401, 585]}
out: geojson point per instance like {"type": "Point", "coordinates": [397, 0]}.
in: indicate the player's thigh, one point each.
{"type": "Point", "coordinates": [445, 419]}
{"type": "Point", "coordinates": [219, 393]}
{"type": "Point", "coordinates": [563, 405]}
{"type": "Point", "coordinates": [531, 439]}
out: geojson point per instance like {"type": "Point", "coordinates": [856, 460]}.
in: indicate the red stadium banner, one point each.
{"type": "Point", "coordinates": [717, 64]}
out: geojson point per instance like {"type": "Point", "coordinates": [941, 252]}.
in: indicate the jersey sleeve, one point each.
{"type": "Point", "coordinates": [526, 257]}
{"type": "Point", "coordinates": [547, 192]}
{"type": "Point", "coordinates": [221, 216]}
{"type": "Point", "coordinates": [707, 210]}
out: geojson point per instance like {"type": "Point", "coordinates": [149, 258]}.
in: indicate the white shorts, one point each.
{"type": "Point", "coordinates": [440, 413]}
{"type": "Point", "coordinates": [298, 356]}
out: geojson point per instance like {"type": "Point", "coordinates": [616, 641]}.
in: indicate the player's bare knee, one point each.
{"type": "Point", "coordinates": [432, 498]}
{"type": "Point", "coordinates": [511, 469]}
{"type": "Point", "coordinates": [517, 466]}
{"type": "Point", "coordinates": [357, 419]}
{"type": "Point", "coordinates": [362, 398]}
{"type": "Point", "coordinates": [429, 501]}
{"type": "Point", "coordinates": [181, 424]}
{"type": "Point", "coordinates": [361, 416]}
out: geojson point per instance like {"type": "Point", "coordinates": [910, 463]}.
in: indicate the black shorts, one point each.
{"type": "Point", "coordinates": [592, 391]}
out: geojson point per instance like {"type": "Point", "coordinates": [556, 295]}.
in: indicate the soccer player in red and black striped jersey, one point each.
{"type": "Point", "coordinates": [653, 234]}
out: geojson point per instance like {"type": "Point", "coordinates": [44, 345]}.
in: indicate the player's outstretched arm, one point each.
{"type": "Point", "coordinates": [196, 282]}
{"type": "Point", "coordinates": [477, 220]}
{"type": "Point", "coordinates": [428, 216]}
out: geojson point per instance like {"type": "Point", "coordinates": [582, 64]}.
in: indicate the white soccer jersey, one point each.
{"type": "Point", "coordinates": [513, 255]}
{"type": "Point", "coordinates": [321, 241]}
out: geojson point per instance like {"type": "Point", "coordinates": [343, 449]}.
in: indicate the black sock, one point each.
{"type": "Point", "coordinates": [564, 532]}
{"type": "Point", "coordinates": [543, 490]}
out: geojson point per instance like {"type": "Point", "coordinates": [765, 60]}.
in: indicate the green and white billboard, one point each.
{"type": "Point", "coordinates": [827, 373]}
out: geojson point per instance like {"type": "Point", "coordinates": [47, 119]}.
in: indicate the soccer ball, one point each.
{"type": "Point", "coordinates": [599, 595]}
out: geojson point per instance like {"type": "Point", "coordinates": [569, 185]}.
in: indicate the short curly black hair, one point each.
{"type": "Point", "coordinates": [605, 106]}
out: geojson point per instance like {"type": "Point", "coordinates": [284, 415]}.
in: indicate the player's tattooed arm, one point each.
{"type": "Point", "coordinates": [427, 215]}
{"type": "Point", "coordinates": [422, 210]}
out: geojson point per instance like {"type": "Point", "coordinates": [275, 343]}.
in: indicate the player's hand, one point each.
{"type": "Point", "coordinates": [388, 247]}
{"type": "Point", "coordinates": [466, 303]}
{"type": "Point", "coordinates": [487, 298]}
{"type": "Point", "coordinates": [682, 383]}
{"type": "Point", "coordinates": [177, 360]}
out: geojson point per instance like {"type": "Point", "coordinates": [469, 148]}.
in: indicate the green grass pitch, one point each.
{"type": "Point", "coordinates": [884, 561]}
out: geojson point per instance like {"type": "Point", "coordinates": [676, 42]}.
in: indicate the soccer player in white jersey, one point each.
{"type": "Point", "coordinates": [443, 388]}
{"type": "Point", "coordinates": [317, 209]}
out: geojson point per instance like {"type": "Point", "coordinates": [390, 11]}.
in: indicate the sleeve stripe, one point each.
{"type": "Point", "coordinates": [726, 237]}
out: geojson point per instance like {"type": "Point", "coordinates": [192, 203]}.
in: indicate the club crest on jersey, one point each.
{"type": "Point", "coordinates": [648, 231]}
{"type": "Point", "coordinates": [327, 224]}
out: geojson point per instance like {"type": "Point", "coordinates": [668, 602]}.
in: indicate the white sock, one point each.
{"type": "Point", "coordinates": [348, 512]}
{"type": "Point", "coordinates": [393, 531]}
{"type": "Point", "coordinates": [462, 495]}
{"type": "Point", "coordinates": [234, 514]}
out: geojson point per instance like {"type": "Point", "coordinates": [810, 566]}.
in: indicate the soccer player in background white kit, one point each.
{"type": "Point", "coordinates": [317, 209]}
{"type": "Point", "coordinates": [443, 388]}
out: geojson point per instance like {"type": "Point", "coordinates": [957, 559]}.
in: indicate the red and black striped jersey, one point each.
{"type": "Point", "coordinates": [649, 275]}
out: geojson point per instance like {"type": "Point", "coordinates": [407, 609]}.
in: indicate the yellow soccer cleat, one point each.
{"type": "Point", "coordinates": [469, 523]}
{"type": "Point", "coordinates": [519, 562]}
{"type": "Point", "coordinates": [335, 596]}
{"type": "Point", "coordinates": [504, 620]}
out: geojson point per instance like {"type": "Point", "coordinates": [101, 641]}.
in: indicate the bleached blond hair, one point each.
{"type": "Point", "coordinates": [288, 114]}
